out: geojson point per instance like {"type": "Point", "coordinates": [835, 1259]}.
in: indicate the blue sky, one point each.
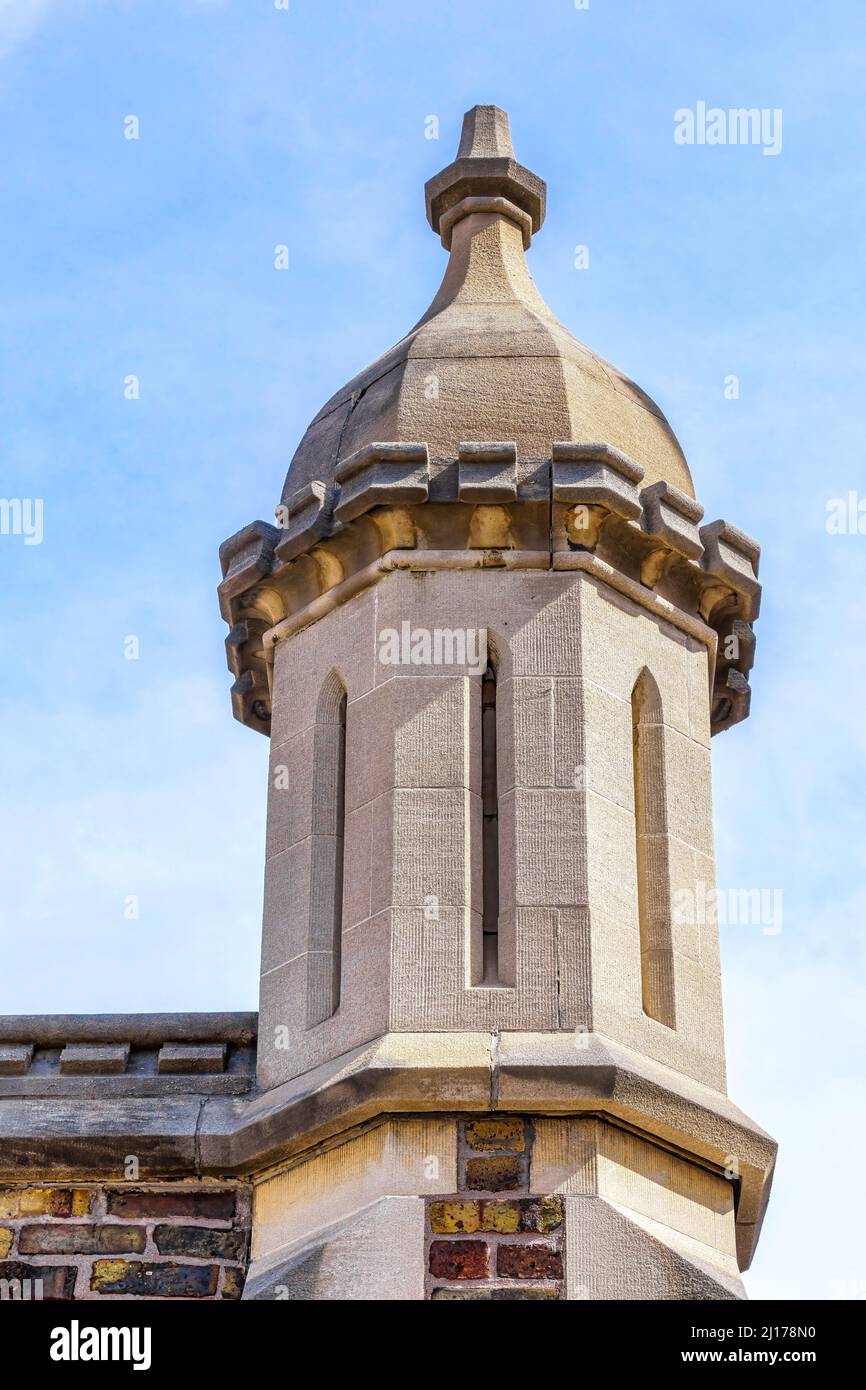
{"type": "Point", "coordinates": [154, 257]}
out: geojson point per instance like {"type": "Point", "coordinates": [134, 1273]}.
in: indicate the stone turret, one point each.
{"type": "Point", "coordinates": [490, 640]}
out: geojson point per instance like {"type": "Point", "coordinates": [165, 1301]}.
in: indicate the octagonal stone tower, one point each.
{"type": "Point", "coordinates": [490, 640]}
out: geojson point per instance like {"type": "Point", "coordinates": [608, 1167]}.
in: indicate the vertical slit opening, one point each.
{"type": "Point", "coordinates": [653, 865]}
{"type": "Point", "coordinates": [325, 936]}
{"type": "Point", "coordinates": [339, 837]}
{"type": "Point", "coordinates": [489, 831]}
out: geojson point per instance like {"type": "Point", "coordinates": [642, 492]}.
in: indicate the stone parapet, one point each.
{"type": "Point", "coordinates": [486, 508]}
{"type": "Point", "coordinates": [127, 1055]}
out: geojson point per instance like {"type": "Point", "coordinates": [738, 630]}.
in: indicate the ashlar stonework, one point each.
{"type": "Point", "coordinates": [490, 637]}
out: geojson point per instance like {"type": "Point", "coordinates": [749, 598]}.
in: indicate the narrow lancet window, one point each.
{"type": "Point", "coordinates": [653, 865]}
{"type": "Point", "coordinates": [326, 863]}
{"type": "Point", "coordinates": [490, 830]}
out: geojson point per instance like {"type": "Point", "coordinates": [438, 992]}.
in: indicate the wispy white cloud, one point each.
{"type": "Point", "coordinates": [19, 21]}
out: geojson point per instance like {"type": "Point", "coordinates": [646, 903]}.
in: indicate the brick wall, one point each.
{"type": "Point", "coordinates": [104, 1241]}
{"type": "Point", "coordinates": [491, 1241]}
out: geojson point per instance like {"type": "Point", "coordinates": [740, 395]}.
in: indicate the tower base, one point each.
{"type": "Point", "coordinates": [491, 1208]}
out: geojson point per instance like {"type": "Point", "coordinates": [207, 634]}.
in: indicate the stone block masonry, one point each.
{"type": "Point", "coordinates": [490, 1241]}
{"type": "Point", "coordinates": [141, 1241]}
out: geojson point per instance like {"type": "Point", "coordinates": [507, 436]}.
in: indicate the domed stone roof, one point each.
{"type": "Point", "coordinates": [488, 360]}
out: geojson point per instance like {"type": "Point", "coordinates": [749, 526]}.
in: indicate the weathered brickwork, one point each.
{"type": "Point", "coordinates": [491, 1241]}
{"type": "Point", "coordinates": [96, 1241]}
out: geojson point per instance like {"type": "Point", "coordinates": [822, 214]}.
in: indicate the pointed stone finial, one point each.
{"type": "Point", "coordinates": [485, 134]}
{"type": "Point", "coordinates": [485, 177]}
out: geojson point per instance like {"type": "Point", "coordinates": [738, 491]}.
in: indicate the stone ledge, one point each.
{"type": "Point", "coordinates": [15, 1058]}
{"type": "Point", "coordinates": [596, 475]}
{"type": "Point", "coordinates": [381, 474]}
{"type": "Point", "coordinates": [145, 1030]}
{"type": "Point", "coordinates": [413, 1073]}
{"type": "Point", "coordinates": [493, 177]}
{"type": "Point", "coordinates": [191, 1058]}
{"type": "Point", "coordinates": [732, 556]}
{"type": "Point", "coordinates": [50, 1085]}
{"type": "Point", "coordinates": [94, 1059]}
{"type": "Point", "coordinates": [672, 517]}
{"type": "Point", "coordinates": [244, 558]}
{"type": "Point", "coordinates": [310, 516]}
{"type": "Point", "coordinates": [487, 472]}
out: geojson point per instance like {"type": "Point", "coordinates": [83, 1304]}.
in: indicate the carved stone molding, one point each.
{"type": "Point", "coordinates": [484, 508]}
{"type": "Point", "coordinates": [206, 1131]}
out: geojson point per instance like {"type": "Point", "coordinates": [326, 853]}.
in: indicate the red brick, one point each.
{"type": "Point", "coordinates": [202, 1242]}
{"type": "Point", "coordinates": [531, 1261]}
{"type": "Point", "coordinates": [211, 1206]}
{"type": "Point", "coordinates": [57, 1281]}
{"type": "Point", "coordinates": [82, 1239]}
{"type": "Point", "coordinates": [494, 1295]}
{"type": "Point", "coordinates": [458, 1259]}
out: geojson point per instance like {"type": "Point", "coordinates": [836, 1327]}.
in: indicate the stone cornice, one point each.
{"type": "Point", "coordinates": [487, 508]}
{"type": "Point", "coordinates": [406, 1073]}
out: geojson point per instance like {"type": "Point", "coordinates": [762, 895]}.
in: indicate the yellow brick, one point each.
{"type": "Point", "coordinates": [450, 1218]}
{"type": "Point", "coordinates": [9, 1203]}
{"type": "Point", "coordinates": [494, 1136]}
{"type": "Point", "coordinates": [5, 1241]}
{"type": "Point", "coordinates": [41, 1201]}
{"type": "Point", "coordinates": [500, 1216]}
{"type": "Point", "coordinates": [106, 1271]}
{"type": "Point", "coordinates": [44, 1201]}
